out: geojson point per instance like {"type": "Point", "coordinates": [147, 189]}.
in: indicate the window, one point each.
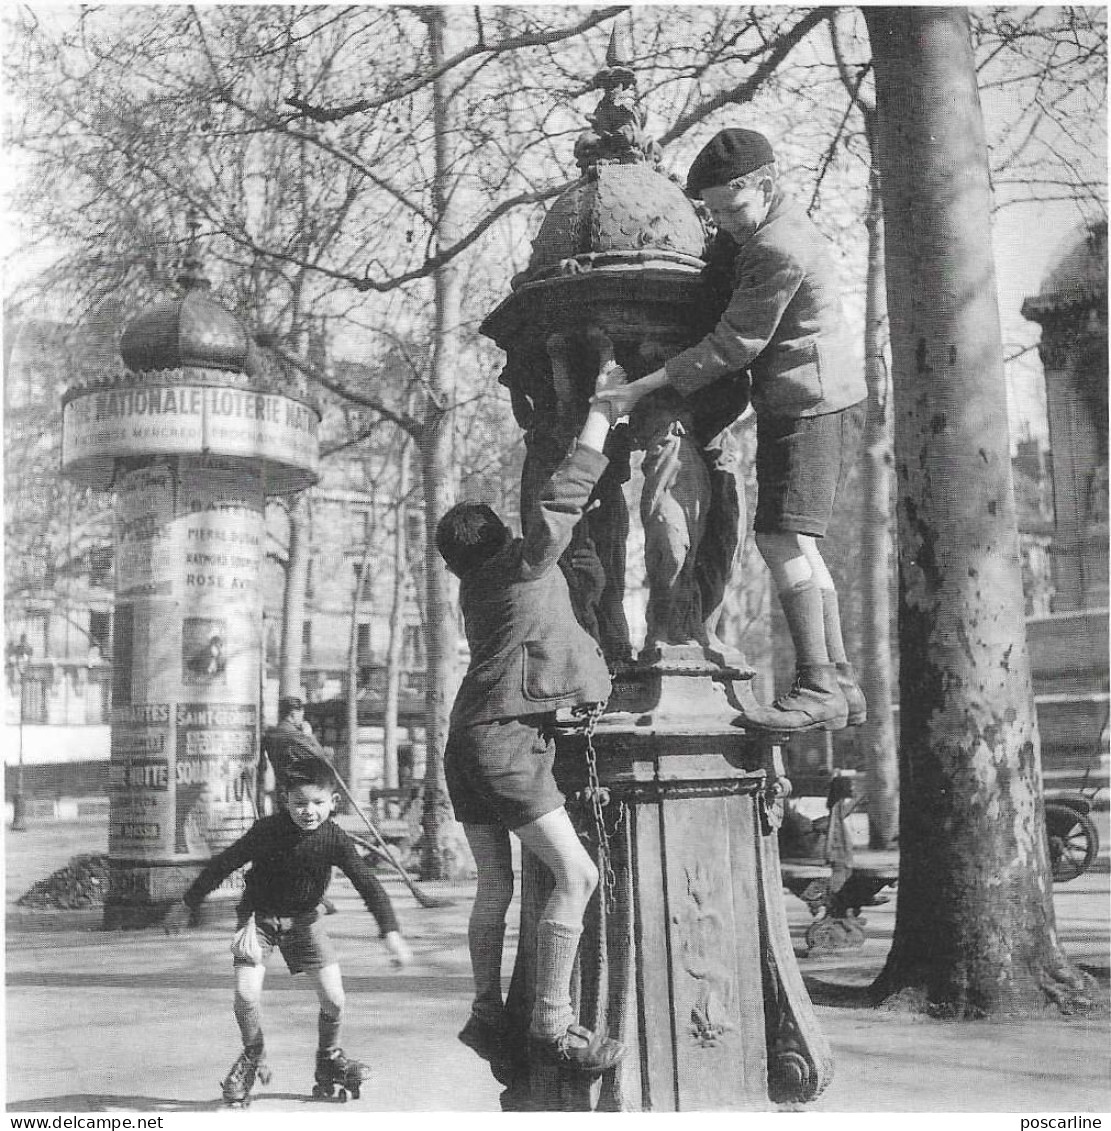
{"type": "Point", "coordinates": [100, 565]}
{"type": "Point", "coordinates": [100, 630]}
{"type": "Point", "coordinates": [367, 591]}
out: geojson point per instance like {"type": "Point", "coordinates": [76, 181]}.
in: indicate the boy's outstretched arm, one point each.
{"type": "Point", "coordinates": [565, 495]}
{"type": "Point", "coordinates": [366, 883]}
{"type": "Point", "coordinates": [398, 948]}
{"type": "Point", "coordinates": [620, 397]}
{"type": "Point", "coordinates": [604, 410]}
{"type": "Point", "coordinates": [214, 872]}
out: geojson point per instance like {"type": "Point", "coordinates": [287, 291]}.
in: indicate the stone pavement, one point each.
{"type": "Point", "coordinates": [136, 1022]}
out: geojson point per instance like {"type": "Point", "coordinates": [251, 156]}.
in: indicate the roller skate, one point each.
{"type": "Point", "coordinates": [336, 1076]}
{"type": "Point", "coordinates": [236, 1086]}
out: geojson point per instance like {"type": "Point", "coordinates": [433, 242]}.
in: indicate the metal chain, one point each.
{"type": "Point", "coordinates": [599, 796]}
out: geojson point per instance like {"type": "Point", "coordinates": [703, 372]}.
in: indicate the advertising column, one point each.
{"type": "Point", "coordinates": [189, 537]}
{"type": "Point", "coordinates": [191, 435]}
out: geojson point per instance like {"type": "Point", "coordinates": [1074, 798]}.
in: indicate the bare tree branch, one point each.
{"type": "Point", "coordinates": [513, 43]}
{"type": "Point", "coordinates": [315, 373]}
{"type": "Point", "coordinates": [745, 91]}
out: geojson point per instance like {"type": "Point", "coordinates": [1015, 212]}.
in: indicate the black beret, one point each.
{"type": "Point", "coordinates": [289, 703]}
{"type": "Point", "coordinates": [728, 155]}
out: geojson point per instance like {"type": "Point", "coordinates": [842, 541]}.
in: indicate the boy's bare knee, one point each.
{"type": "Point", "coordinates": [778, 544]}
{"type": "Point", "coordinates": [584, 879]}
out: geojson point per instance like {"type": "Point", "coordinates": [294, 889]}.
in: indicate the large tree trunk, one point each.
{"type": "Point", "coordinates": [975, 931]}
{"type": "Point", "coordinates": [877, 736]}
{"type": "Point", "coordinates": [438, 481]}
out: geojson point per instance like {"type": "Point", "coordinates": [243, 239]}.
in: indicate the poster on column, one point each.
{"type": "Point", "coordinates": [204, 652]}
{"type": "Point", "coordinates": [139, 780]}
{"type": "Point", "coordinates": [214, 775]}
{"type": "Point", "coordinates": [144, 511]}
{"type": "Point", "coordinates": [218, 538]}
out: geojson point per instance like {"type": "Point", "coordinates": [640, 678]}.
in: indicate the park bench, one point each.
{"type": "Point", "coordinates": [839, 925]}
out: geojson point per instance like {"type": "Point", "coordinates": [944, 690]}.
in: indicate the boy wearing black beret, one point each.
{"type": "Point", "coordinates": [784, 325]}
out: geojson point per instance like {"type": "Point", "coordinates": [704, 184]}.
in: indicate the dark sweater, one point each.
{"type": "Point", "coordinates": [290, 870]}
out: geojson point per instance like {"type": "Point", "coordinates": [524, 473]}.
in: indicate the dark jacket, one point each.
{"type": "Point", "coordinates": [529, 655]}
{"type": "Point", "coordinates": [784, 323]}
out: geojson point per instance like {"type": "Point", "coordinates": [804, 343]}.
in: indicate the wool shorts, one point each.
{"type": "Point", "coordinates": [801, 467]}
{"type": "Point", "coordinates": [302, 940]}
{"type": "Point", "coordinates": [500, 773]}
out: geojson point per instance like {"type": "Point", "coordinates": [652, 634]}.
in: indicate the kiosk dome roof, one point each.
{"type": "Point", "coordinates": [192, 330]}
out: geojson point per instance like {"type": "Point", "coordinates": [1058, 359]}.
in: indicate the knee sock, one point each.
{"type": "Point", "coordinates": [831, 618]}
{"type": "Point", "coordinates": [556, 946]}
{"type": "Point", "coordinates": [327, 1028]}
{"type": "Point", "coordinates": [248, 1017]}
{"type": "Point", "coordinates": [486, 940]}
{"type": "Point", "coordinates": [802, 606]}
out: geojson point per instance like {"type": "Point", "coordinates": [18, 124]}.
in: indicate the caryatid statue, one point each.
{"type": "Point", "coordinates": [617, 272]}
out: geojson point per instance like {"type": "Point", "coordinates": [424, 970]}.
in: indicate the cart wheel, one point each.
{"type": "Point", "coordinates": [1073, 841]}
{"type": "Point", "coordinates": [814, 895]}
{"type": "Point", "coordinates": [854, 930]}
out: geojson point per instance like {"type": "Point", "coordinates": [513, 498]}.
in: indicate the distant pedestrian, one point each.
{"type": "Point", "coordinates": [292, 738]}
{"type": "Point", "coordinates": [292, 854]}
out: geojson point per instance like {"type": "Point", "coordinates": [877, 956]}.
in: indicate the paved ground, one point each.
{"type": "Point", "coordinates": [133, 1021]}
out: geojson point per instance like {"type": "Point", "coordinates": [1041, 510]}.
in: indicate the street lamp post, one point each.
{"type": "Point", "coordinates": [22, 656]}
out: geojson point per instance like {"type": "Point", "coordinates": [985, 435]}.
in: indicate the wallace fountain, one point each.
{"type": "Point", "coordinates": [686, 956]}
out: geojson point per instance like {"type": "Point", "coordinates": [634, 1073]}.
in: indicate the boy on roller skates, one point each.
{"type": "Point", "coordinates": [529, 656]}
{"type": "Point", "coordinates": [292, 854]}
